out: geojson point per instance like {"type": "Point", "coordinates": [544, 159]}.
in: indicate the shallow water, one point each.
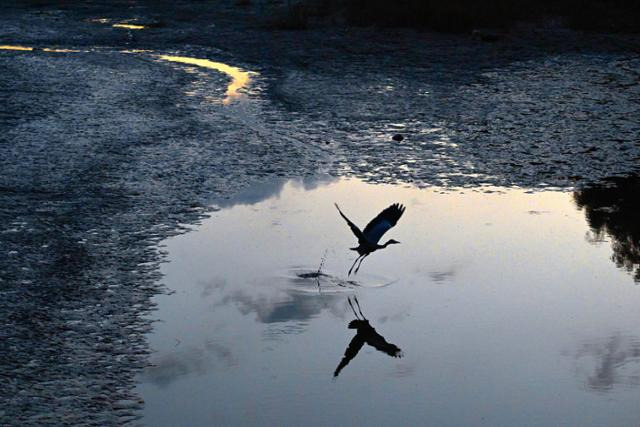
{"type": "Point", "coordinates": [504, 312]}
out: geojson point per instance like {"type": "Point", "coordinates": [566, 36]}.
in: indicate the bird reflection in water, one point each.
{"type": "Point", "coordinates": [373, 232]}
{"type": "Point", "coordinates": [364, 334]}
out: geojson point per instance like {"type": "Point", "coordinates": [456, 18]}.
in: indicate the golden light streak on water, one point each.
{"type": "Point", "coordinates": [129, 26]}
{"type": "Point", "coordinates": [240, 78]}
{"type": "Point", "coordinates": [10, 47]}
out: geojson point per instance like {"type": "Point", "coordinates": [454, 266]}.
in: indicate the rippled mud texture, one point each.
{"type": "Point", "coordinates": [105, 150]}
{"type": "Point", "coordinates": [78, 237]}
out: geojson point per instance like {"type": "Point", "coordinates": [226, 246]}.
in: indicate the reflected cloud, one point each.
{"type": "Point", "coordinates": [262, 191]}
{"type": "Point", "coordinates": [312, 182]}
{"type": "Point", "coordinates": [291, 305]}
{"type": "Point", "coordinates": [442, 276]}
{"type": "Point", "coordinates": [612, 209]}
{"type": "Point", "coordinates": [404, 371]}
{"type": "Point", "coordinates": [193, 361]}
{"type": "Point", "coordinates": [255, 193]}
{"type": "Point", "coordinates": [239, 78]}
{"type": "Point", "coordinates": [209, 288]}
{"type": "Point", "coordinates": [365, 333]}
{"type": "Point", "coordinates": [615, 362]}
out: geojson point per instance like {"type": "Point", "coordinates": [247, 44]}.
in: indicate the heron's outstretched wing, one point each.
{"type": "Point", "coordinates": [378, 342]}
{"type": "Point", "coordinates": [352, 350]}
{"type": "Point", "coordinates": [383, 222]}
{"type": "Point", "coordinates": [353, 227]}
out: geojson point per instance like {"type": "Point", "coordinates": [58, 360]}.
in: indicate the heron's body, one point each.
{"type": "Point", "coordinates": [368, 238]}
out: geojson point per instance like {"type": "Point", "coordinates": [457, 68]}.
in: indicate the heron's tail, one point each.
{"type": "Point", "coordinates": [354, 249]}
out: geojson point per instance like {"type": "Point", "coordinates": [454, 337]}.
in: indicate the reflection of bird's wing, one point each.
{"type": "Point", "coordinates": [352, 350]}
{"type": "Point", "coordinates": [383, 222]}
{"type": "Point", "coordinates": [353, 227]}
{"type": "Point", "coordinates": [378, 342]}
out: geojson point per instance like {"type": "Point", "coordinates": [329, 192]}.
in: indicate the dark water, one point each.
{"type": "Point", "coordinates": [115, 139]}
{"type": "Point", "coordinates": [505, 313]}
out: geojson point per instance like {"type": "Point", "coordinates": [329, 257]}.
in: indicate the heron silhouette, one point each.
{"type": "Point", "coordinates": [368, 239]}
{"type": "Point", "coordinates": [365, 334]}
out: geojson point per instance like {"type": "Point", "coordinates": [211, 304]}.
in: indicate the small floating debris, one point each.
{"type": "Point", "coordinates": [136, 51]}
{"type": "Point", "coordinates": [99, 20]}
{"type": "Point", "coordinates": [397, 137]}
{"type": "Point", "coordinates": [312, 275]}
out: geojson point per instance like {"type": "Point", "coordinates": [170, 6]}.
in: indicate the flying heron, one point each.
{"type": "Point", "coordinates": [368, 239]}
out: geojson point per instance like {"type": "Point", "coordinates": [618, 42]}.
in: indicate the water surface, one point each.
{"type": "Point", "coordinates": [505, 313]}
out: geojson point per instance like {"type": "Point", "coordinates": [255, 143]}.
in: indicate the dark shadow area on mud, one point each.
{"type": "Point", "coordinates": [465, 15]}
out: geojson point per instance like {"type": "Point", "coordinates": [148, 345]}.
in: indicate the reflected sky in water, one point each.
{"type": "Point", "coordinates": [125, 25]}
{"type": "Point", "coordinates": [129, 26]}
{"type": "Point", "coordinates": [505, 312]}
{"type": "Point", "coordinates": [13, 47]}
{"type": "Point", "coordinates": [239, 78]}
{"type": "Point", "coordinates": [50, 49]}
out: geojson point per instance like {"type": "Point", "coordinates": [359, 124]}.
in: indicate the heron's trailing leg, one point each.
{"type": "Point", "coordinates": [358, 267]}
{"type": "Point", "coordinates": [353, 309]}
{"type": "Point", "coordinates": [355, 298]}
{"type": "Point", "coordinates": [354, 264]}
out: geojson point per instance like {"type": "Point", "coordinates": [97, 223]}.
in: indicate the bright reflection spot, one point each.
{"type": "Point", "coordinates": [46, 49]}
{"type": "Point", "coordinates": [100, 20]}
{"type": "Point", "coordinates": [239, 77]}
{"type": "Point", "coordinates": [9, 47]}
{"type": "Point", "coordinates": [129, 26]}
{"type": "Point", "coordinates": [136, 51]}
